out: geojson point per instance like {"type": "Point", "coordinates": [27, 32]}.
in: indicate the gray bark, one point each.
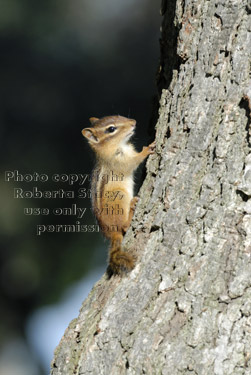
{"type": "Point", "coordinates": [186, 307]}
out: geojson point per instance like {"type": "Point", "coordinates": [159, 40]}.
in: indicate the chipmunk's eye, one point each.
{"type": "Point", "coordinates": [111, 129]}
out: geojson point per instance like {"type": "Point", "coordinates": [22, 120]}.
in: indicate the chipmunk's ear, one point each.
{"type": "Point", "coordinates": [90, 135]}
{"type": "Point", "coordinates": [93, 120]}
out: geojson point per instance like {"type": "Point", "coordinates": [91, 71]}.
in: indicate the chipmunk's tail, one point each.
{"type": "Point", "coordinates": [119, 261]}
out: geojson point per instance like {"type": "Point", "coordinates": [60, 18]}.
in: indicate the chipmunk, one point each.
{"type": "Point", "coordinates": [112, 182]}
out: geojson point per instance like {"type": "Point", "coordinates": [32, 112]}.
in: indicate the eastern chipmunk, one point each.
{"type": "Point", "coordinates": [112, 181]}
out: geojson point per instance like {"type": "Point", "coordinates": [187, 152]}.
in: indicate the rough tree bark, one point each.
{"type": "Point", "coordinates": [186, 307]}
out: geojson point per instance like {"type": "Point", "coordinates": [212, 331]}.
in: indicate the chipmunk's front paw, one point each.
{"type": "Point", "coordinates": [148, 150]}
{"type": "Point", "coordinates": [151, 148]}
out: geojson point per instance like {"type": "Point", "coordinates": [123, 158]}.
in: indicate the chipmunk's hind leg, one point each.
{"type": "Point", "coordinates": [119, 261]}
{"type": "Point", "coordinates": [131, 213]}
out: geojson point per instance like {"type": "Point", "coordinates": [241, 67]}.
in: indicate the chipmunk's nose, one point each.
{"type": "Point", "coordinates": [132, 122]}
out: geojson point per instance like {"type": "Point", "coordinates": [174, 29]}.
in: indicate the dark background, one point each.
{"type": "Point", "coordinates": [61, 63]}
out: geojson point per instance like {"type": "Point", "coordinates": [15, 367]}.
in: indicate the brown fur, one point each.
{"type": "Point", "coordinates": [112, 197]}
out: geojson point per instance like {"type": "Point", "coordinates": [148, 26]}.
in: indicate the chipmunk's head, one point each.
{"type": "Point", "coordinates": [109, 132]}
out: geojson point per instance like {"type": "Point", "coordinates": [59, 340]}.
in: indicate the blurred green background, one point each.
{"type": "Point", "coordinates": [62, 61]}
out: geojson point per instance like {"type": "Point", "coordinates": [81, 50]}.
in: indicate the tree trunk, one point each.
{"type": "Point", "coordinates": [186, 307]}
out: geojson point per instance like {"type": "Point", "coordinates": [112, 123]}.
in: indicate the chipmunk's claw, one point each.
{"type": "Point", "coordinates": [152, 147]}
